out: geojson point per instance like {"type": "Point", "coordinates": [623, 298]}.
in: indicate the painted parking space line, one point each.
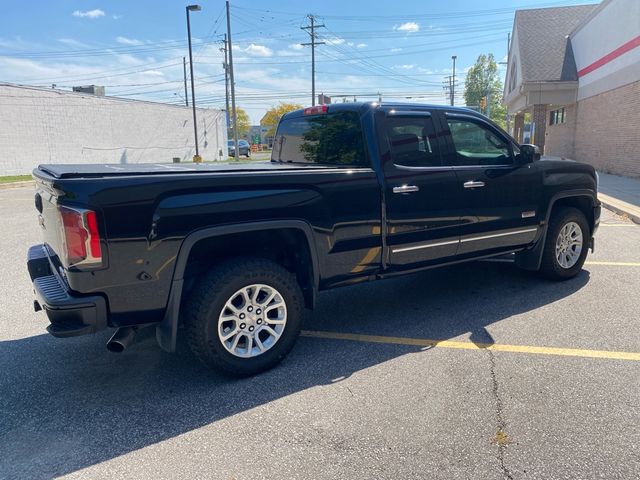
{"type": "Point", "coordinates": [614, 264]}
{"type": "Point", "coordinates": [423, 342]}
{"type": "Point", "coordinates": [627, 225]}
{"type": "Point", "coordinates": [590, 262]}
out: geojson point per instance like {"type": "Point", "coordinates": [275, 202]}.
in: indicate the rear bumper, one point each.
{"type": "Point", "coordinates": [70, 315]}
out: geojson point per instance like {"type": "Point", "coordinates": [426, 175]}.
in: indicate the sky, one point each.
{"type": "Point", "coordinates": [396, 50]}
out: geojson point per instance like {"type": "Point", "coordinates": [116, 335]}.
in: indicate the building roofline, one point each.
{"type": "Point", "coordinates": [90, 95]}
{"type": "Point", "coordinates": [589, 17]}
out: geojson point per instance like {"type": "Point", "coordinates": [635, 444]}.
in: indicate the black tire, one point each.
{"type": "Point", "coordinates": [208, 298]}
{"type": "Point", "coordinates": [248, 154]}
{"type": "Point", "coordinates": [550, 266]}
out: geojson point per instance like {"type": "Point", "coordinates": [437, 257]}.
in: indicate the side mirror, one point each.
{"type": "Point", "coordinates": [528, 153]}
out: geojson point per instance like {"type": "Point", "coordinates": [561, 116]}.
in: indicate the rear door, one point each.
{"type": "Point", "coordinates": [499, 197]}
{"type": "Point", "coordinates": [423, 215]}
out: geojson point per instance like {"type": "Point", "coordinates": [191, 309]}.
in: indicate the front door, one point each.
{"type": "Point", "coordinates": [499, 196]}
{"type": "Point", "coordinates": [422, 211]}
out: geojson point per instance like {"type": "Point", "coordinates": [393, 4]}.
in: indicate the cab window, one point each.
{"type": "Point", "coordinates": [412, 141]}
{"type": "Point", "coordinates": [327, 139]}
{"type": "Point", "coordinates": [476, 144]}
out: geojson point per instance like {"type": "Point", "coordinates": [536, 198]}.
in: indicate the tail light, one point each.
{"type": "Point", "coordinates": [81, 237]}
{"type": "Point", "coordinates": [317, 110]}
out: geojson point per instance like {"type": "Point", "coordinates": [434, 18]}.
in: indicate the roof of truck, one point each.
{"type": "Point", "coordinates": [361, 107]}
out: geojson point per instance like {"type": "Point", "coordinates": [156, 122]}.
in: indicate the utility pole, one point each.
{"type": "Point", "coordinates": [193, 8]}
{"type": "Point", "coordinates": [184, 71]}
{"type": "Point", "coordinates": [233, 87]}
{"type": "Point", "coordinates": [447, 86]}
{"type": "Point", "coordinates": [312, 32]}
{"type": "Point", "coordinates": [453, 80]}
{"type": "Point", "coordinates": [226, 80]}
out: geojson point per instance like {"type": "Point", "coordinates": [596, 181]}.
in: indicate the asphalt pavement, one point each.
{"type": "Point", "coordinates": [479, 371]}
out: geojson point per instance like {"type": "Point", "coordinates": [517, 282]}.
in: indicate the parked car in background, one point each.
{"type": "Point", "coordinates": [243, 148]}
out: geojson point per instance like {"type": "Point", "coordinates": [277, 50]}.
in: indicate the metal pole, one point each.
{"type": "Point", "coordinates": [193, 88]}
{"type": "Point", "coordinates": [233, 88]}
{"type": "Point", "coordinates": [184, 71]}
{"type": "Point", "coordinates": [453, 82]}
{"type": "Point", "coordinates": [313, 62]}
{"type": "Point", "coordinates": [313, 43]}
{"type": "Point", "coordinates": [226, 81]}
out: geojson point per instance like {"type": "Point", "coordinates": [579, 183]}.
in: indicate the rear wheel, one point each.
{"type": "Point", "coordinates": [244, 316]}
{"type": "Point", "coordinates": [566, 245]}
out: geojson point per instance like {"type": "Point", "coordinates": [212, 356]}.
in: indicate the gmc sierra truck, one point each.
{"type": "Point", "coordinates": [232, 253]}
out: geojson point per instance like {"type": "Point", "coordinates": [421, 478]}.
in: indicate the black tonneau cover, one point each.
{"type": "Point", "coordinates": [116, 169]}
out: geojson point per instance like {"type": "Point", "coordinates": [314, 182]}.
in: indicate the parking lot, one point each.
{"type": "Point", "coordinates": [478, 371]}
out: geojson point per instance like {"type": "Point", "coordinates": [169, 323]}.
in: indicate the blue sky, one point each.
{"type": "Point", "coordinates": [400, 49]}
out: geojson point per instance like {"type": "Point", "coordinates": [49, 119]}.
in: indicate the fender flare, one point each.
{"type": "Point", "coordinates": [532, 258]}
{"type": "Point", "coordinates": [167, 329]}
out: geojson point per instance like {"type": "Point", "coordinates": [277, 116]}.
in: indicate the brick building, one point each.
{"type": "Point", "coordinates": [573, 75]}
{"type": "Point", "coordinates": [42, 125]}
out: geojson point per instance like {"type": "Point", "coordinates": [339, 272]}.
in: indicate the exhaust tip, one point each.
{"type": "Point", "coordinates": [121, 339]}
{"type": "Point", "coordinates": [115, 347]}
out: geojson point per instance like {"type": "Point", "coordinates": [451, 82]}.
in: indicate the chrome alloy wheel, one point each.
{"type": "Point", "coordinates": [569, 245]}
{"type": "Point", "coordinates": [252, 320]}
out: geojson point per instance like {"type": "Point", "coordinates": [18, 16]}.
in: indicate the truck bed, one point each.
{"type": "Point", "coordinates": [108, 170]}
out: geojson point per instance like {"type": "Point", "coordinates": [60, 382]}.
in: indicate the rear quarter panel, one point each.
{"type": "Point", "coordinates": [146, 219]}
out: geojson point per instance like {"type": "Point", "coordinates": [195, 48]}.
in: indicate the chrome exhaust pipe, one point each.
{"type": "Point", "coordinates": [120, 340]}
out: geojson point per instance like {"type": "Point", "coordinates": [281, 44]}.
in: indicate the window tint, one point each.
{"type": "Point", "coordinates": [332, 139]}
{"type": "Point", "coordinates": [413, 142]}
{"type": "Point", "coordinates": [476, 144]}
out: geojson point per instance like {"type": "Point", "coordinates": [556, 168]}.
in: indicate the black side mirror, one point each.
{"type": "Point", "coordinates": [528, 153]}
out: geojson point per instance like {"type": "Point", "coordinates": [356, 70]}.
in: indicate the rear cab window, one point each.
{"type": "Point", "coordinates": [325, 139]}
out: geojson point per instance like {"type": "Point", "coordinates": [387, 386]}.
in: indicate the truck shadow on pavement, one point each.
{"type": "Point", "coordinates": [69, 404]}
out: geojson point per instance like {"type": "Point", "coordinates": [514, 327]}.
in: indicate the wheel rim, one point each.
{"type": "Point", "coordinates": [252, 320]}
{"type": "Point", "coordinates": [569, 245]}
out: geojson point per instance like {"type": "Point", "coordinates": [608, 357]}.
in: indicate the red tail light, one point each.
{"type": "Point", "coordinates": [317, 110]}
{"type": "Point", "coordinates": [81, 237]}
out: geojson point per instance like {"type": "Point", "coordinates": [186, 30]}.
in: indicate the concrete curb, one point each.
{"type": "Point", "coordinates": [620, 207]}
{"type": "Point", "coordinates": [6, 186]}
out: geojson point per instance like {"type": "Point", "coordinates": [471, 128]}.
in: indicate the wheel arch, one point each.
{"type": "Point", "coordinates": [583, 200]}
{"type": "Point", "coordinates": [166, 330]}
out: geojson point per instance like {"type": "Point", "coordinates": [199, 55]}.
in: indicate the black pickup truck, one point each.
{"type": "Point", "coordinates": [353, 192]}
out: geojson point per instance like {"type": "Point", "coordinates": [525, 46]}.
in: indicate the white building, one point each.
{"type": "Point", "coordinates": [574, 72]}
{"type": "Point", "coordinates": [40, 125]}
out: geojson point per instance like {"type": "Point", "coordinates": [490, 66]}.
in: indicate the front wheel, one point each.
{"type": "Point", "coordinates": [566, 245]}
{"type": "Point", "coordinates": [244, 316]}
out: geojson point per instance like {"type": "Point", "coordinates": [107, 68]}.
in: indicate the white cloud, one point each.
{"type": "Point", "coordinates": [89, 13]}
{"type": "Point", "coordinates": [409, 27]}
{"type": "Point", "coordinates": [128, 41]}
{"type": "Point", "coordinates": [406, 66]}
{"type": "Point", "coordinates": [334, 40]}
{"type": "Point", "coordinates": [116, 17]}
{"type": "Point", "coordinates": [296, 46]}
{"type": "Point", "coordinates": [395, 50]}
{"type": "Point", "coordinates": [73, 43]}
{"type": "Point", "coordinates": [258, 50]}
{"type": "Point", "coordinates": [361, 45]}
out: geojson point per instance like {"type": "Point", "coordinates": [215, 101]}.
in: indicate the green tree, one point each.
{"type": "Point", "coordinates": [483, 81]}
{"type": "Point", "coordinates": [243, 123]}
{"type": "Point", "coordinates": [273, 115]}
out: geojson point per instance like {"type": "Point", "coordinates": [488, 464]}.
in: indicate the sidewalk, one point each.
{"type": "Point", "coordinates": [620, 194]}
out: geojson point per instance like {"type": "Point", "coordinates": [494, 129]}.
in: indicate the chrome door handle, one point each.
{"type": "Point", "coordinates": [406, 189]}
{"type": "Point", "coordinates": [473, 184]}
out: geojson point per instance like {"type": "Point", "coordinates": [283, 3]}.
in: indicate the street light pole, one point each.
{"type": "Point", "coordinates": [233, 88]}
{"type": "Point", "coordinates": [193, 8]}
{"type": "Point", "coordinates": [453, 81]}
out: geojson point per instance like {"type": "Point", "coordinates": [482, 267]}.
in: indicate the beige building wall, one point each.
{"type": "Point", "coordinates": [560, 137]}
{"type": "Point", "coordinates": [607, 134]}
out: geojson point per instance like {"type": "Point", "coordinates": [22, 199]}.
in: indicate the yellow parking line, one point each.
{"type": "Point", "coordinates": [423, 342]}
{"type": "Point", "coordinates": [618, 264]}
